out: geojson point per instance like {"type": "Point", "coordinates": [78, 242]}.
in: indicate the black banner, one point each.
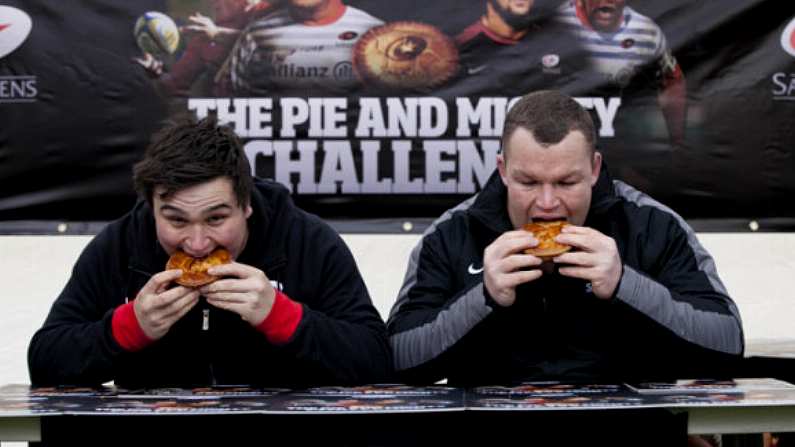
{"type": "Point", "coordinates": [368, 109]}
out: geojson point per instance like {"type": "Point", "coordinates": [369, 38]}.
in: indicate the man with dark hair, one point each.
{"type": "Point", "coordinates": [637, 297]}
{"type": "Point", "coordinates": [291, 308]}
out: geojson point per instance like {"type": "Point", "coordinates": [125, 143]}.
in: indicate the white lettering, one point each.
{"type": "Point", "coordinates": [403, 184]}
{"type": "Point", "coordinates": [201, 106]}
{"type": "Point", "coordinates": [338, 167]}
{"type": "Point", "coordinates": [259, 115]}
{"type": "Point", "coordinates": [605, 112]}
{"type": "Point", "coordinates": [234, 113]}
{"type": "Point", "coordinates": [473, 166]}
{"type": "Point", "coordinates": [778, 79]}
{"type": "Point", "coordinates": [371, 119]}
{"type": "Point", "coordinates": [402, 115]}
{"type": "Point", "coordinates": [370, 182]}
{"type": "Point", "coordinates": [481, 114]}
{"type": "Point", "coordinates": [295, 111]}
{"type": "Point", "coordinates": [433, 117]}
{"type": "Point", "coordinates": [435, 166]}
{"type": "Point", "coordinates": [304, 166]}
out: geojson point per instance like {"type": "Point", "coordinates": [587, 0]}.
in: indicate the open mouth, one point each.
{"type": "Point", "coordinates": [605, 13]}
{"type": "Point", "coordinates": [548, 219]}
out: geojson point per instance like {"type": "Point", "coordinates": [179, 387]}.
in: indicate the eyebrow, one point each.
{"type": "Point", "coordinates": [212, 209]}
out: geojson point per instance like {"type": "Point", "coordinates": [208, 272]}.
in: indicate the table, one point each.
{"type": "Point", "coordinates": [400, 412]}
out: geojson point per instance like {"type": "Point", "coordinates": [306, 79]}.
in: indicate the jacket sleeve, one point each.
{"type": "Point", "coordinates": [75, 345]}
{"type": "Point", "coordinates": [341, 338]}
{"type": "Point", "coordinates": [432, 313]}
{"type": "Point", "coordinates": [680, 290]}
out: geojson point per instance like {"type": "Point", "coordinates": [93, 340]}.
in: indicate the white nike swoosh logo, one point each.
{"type": "Point", "coordinates": [476, 70]}
{"type": "Point", "coordinates": [473, 271]}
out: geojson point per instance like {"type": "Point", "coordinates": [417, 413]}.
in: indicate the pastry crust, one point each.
{"type": "Point", "coordinates": [194, 270]}
{"type": "Point", "coordinates": [545, 232]}
{"type": "Point", "coordinates": [405, 55]}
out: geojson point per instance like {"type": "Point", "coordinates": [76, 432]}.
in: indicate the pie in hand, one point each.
{"type": "Point", "coordinates": [194, 270]}
{"type": "Point", "coordinates": [545, 232]}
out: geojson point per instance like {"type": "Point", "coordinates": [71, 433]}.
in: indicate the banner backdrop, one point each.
{"type": "Point", "coordinates": [380, 108]}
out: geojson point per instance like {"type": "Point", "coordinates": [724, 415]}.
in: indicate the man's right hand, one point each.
{"type": "Point", "coordinates": [157, 308]}
{"type": "Point", "coordinates": [503, 264]}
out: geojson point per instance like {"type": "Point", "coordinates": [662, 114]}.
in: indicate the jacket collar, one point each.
{"type": "Point", "coordinates": [268, 225]}
{"type": "Point", "coordinates": [490, 208]}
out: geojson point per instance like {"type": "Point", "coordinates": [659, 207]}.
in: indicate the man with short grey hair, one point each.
{"type": "Point", "coordinates": [636, 297]}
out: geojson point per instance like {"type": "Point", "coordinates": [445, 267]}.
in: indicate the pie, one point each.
{"type": "Point", "coordinates": [545, 232]}
{"type": "Point", "coordinates": [405, 55]}
{"type": "Point", "coordinates": [194, 270]}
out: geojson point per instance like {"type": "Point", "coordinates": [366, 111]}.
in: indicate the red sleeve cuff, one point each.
{"type": "Point", "coordinates": [126, 330]}
{"type": "Point", "coordinates": [282, 321]}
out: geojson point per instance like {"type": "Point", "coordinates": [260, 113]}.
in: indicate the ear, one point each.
{"type": "Point", "coordinates": [501, 168]}
{"type": "Point", "coordinates": [248, 211]}
{"type": "Point", "coordinates": [596, 167]}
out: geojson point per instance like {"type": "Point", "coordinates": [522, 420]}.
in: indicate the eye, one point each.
{"type": "Point", "coordinates": [569, 181]}
{"type": "Point", "coordinates": [176, 221]}
{"type": "Point", "coordinates": [216, 220]}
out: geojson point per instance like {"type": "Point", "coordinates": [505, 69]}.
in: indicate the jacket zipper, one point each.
{"type": "Point", "coordinates": [205, 329]}
{"type": "Point", "coordinates": [205, 319]}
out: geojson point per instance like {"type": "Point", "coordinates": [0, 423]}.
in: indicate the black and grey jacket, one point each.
{"type": "Point", "coordinates": [340, 339]}
{"type": "Point", "coordinates": [670, 316]}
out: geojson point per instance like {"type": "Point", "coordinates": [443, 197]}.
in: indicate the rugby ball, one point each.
{"type": "Point", "coordinates": [156, 34]}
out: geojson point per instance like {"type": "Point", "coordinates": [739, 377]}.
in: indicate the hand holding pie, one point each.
{"type": "Point", "coordinates": [595, 260]}
{"type": "Point", "coordinates": [194, 270]}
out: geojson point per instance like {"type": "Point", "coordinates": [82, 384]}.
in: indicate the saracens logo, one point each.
{"type": "Point", "coordinates": [15, 25]}
{"type": "Point", "coordinates": [788, 38]}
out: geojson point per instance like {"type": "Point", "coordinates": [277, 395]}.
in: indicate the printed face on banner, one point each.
{"type": "Point", "coordinates": [307, 4]}
{"type": "Point", "coordinates": [228, 9]}
{"type": "Point", "coordinates": [552, 182]}
{"type": "Point", "coordinates": [515, 7]}
{"type": "Point", "coordinates": [515, 12]}
{"type": "Point", "coordinates": [604, 15]}
{"type": "Point", "coordinates": [201, 218]}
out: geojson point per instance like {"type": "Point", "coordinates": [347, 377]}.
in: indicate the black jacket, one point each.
{"type": "Point", "coordinates": [340, 339]}
{"type": "Point", "coordinates": [670, 315]}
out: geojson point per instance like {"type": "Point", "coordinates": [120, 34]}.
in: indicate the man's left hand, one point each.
{"type": "Point", "coordinates": [245, 290]}
{"type": "Point", "coordinates": [594, 258]}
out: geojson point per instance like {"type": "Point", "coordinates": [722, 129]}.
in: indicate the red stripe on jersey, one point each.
{"type": "Point", "coordinates": [478, 27]}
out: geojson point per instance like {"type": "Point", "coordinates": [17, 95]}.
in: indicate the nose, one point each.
{"type": "Point", "coordinates": [548, 199]}
{"type": "Point", "coordinates": [197, 243]}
